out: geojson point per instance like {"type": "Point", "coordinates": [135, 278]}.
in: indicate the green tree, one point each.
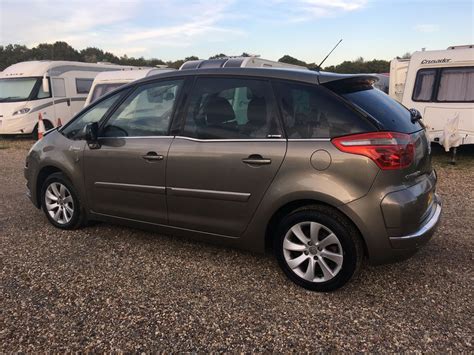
{"type": "Point", "coordinates": [218, 56]}
{"type": "Point", "coordinates": [95, 55]}
{"type": "Point", "coordinates": [291, 60]}
{"type": "Point", "coordinates": [360, 66]}
{"type": "Point", "coordinates": [55, 51]}
{"type": "Point", "coordinates": [13, 53]}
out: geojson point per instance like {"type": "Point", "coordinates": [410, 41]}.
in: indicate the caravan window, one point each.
{"type": "Point", "coordinates": [59, 89]}
{"type": "Point", "coordinates": [456, 85]}
{"type": "Point", "coordinates": [425, 79]}
{"type": "Point", "coordinates": [102, 89]}
{"type": "Point", "coordinates": [83, 86]}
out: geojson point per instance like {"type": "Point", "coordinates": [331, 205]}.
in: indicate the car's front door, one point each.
{"type": "Point", "coordinates": [125, 177]}
{"type": "Point", "coordinates": [225, 157]}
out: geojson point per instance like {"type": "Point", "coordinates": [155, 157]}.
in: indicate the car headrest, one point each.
{"type": "Point", "coordinates": [218, 110]}
{"type": "Point", "coordinates": [257, 112]}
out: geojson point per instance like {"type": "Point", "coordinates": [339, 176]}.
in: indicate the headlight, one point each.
{"type": "Point", "coordinates": [21, 112]}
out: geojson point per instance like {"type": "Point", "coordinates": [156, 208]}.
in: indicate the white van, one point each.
{"type": "Point", "coordinates": [56, 89]}
{"type": "Point", "coordinates": [439, 84]}
{"type": "Point", "coordinates": [108, 81]}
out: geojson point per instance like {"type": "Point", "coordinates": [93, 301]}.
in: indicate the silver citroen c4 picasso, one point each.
{"type": "Point", "coordinates": [322, 168]}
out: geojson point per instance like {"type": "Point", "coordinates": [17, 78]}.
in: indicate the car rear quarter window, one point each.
{"type": "Point", "coordinates": [392, 115]}
{"type": "Point", "coordinates": [311, 111]}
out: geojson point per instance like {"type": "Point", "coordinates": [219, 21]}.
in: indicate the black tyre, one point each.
{"type": "Point", "coordinates": [61, 203]}
{"type": "Point", "coordinates": [318, 248]}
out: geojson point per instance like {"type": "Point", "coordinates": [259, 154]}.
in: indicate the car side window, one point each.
{"type": "Point", "coordinates": [309, 111]}
{"type": "Point", "coordinates": [147, 111]}
{"type": "Point", "coordinates": [95, 113]}
{"type": "Point", "coordinates": [231, 108]}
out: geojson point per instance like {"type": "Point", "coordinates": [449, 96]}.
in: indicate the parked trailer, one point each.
{"type": "Point", "coordinates": [440, 84]}
{"type": "Point", "coordinates": [107, 81]}
{"type": "Point", "coordinates": [56, 89]}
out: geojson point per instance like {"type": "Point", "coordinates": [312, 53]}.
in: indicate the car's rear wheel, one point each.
{"type": "Point", "coordinates": [60, 202]}
{"type": "Point", "coordinates": [318, 248]}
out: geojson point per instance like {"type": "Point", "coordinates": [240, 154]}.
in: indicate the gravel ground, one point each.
{"type": "Point", "coordinates": [113, 288]}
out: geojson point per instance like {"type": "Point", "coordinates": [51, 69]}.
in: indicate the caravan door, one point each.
{"type": "Point", "coordinates": [61, 102]}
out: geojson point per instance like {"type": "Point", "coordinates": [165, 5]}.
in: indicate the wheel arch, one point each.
{"type": "Point", "coordinates": [288, 207]}
{"type": "Point", "coordinates": [42, 176]}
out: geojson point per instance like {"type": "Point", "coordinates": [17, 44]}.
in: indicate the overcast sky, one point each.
{"type": "Point", "coordinates": [306, 29]}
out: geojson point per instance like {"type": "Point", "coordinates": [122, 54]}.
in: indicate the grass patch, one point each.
{"type": "Point", "coordinates": [16, 142]}
{"type": "Point", "coordinates": [464, 157]}
{"type": "Point", "coordinates": [4, 144]}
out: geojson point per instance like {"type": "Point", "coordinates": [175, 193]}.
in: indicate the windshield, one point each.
{"type": "Point", "coordinates": [17, 89]}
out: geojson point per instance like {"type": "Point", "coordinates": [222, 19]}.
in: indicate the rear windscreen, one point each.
{"type": "Point", "coordinates": [391, 114]}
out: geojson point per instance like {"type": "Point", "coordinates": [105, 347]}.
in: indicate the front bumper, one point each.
{"type": "Point", "coordinates": [17, 125]}
{"type": "Point", "coordinates": [422, 235]}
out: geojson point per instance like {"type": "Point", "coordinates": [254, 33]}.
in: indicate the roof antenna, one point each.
{"type": "Point", "coordinates": [326, 57]}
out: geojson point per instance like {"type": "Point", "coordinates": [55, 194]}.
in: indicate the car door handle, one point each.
{"type": "Point", "coordinates": [153, 156]}
{"type": "Point", "coordinates": [256, 159]}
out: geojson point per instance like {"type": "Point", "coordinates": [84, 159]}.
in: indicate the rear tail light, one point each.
{"type": "Point", "coordinates": [389, 150]}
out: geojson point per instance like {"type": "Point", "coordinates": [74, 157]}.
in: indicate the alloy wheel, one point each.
{"type": "Point", "coordinates": [59, 203]}
{"type": "Point", "coordinates": [313, 252]}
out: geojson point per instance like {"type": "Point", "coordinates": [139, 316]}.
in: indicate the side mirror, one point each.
{"type": "Point", "coordinates": [45, 83]}
{"type": "Point", "coordinates": [91, 135]}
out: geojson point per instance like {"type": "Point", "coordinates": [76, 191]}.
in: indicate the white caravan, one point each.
{"type": "Point", "coordinates": [107, 81]}
{"type": "Point", "coordinates": [56, 89]}
{"type": "Point", "coordinates": [439, 84]}
{"type": "Point", "coordinates": [398, 77]}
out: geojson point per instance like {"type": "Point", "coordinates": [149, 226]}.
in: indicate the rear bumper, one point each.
{"type": "Point", "coordinates": [422, 235]}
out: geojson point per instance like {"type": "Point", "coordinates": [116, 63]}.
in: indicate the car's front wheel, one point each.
{"type": "Point", "coordinates": [318, 248]}
{"type": "Point", "coordinates": [60, 202]}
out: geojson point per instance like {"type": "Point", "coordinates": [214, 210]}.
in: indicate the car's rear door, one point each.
{"type": "Point", "coordinates": [226, 155]}
{"type": "Point", "coordinates": [125, 177]}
